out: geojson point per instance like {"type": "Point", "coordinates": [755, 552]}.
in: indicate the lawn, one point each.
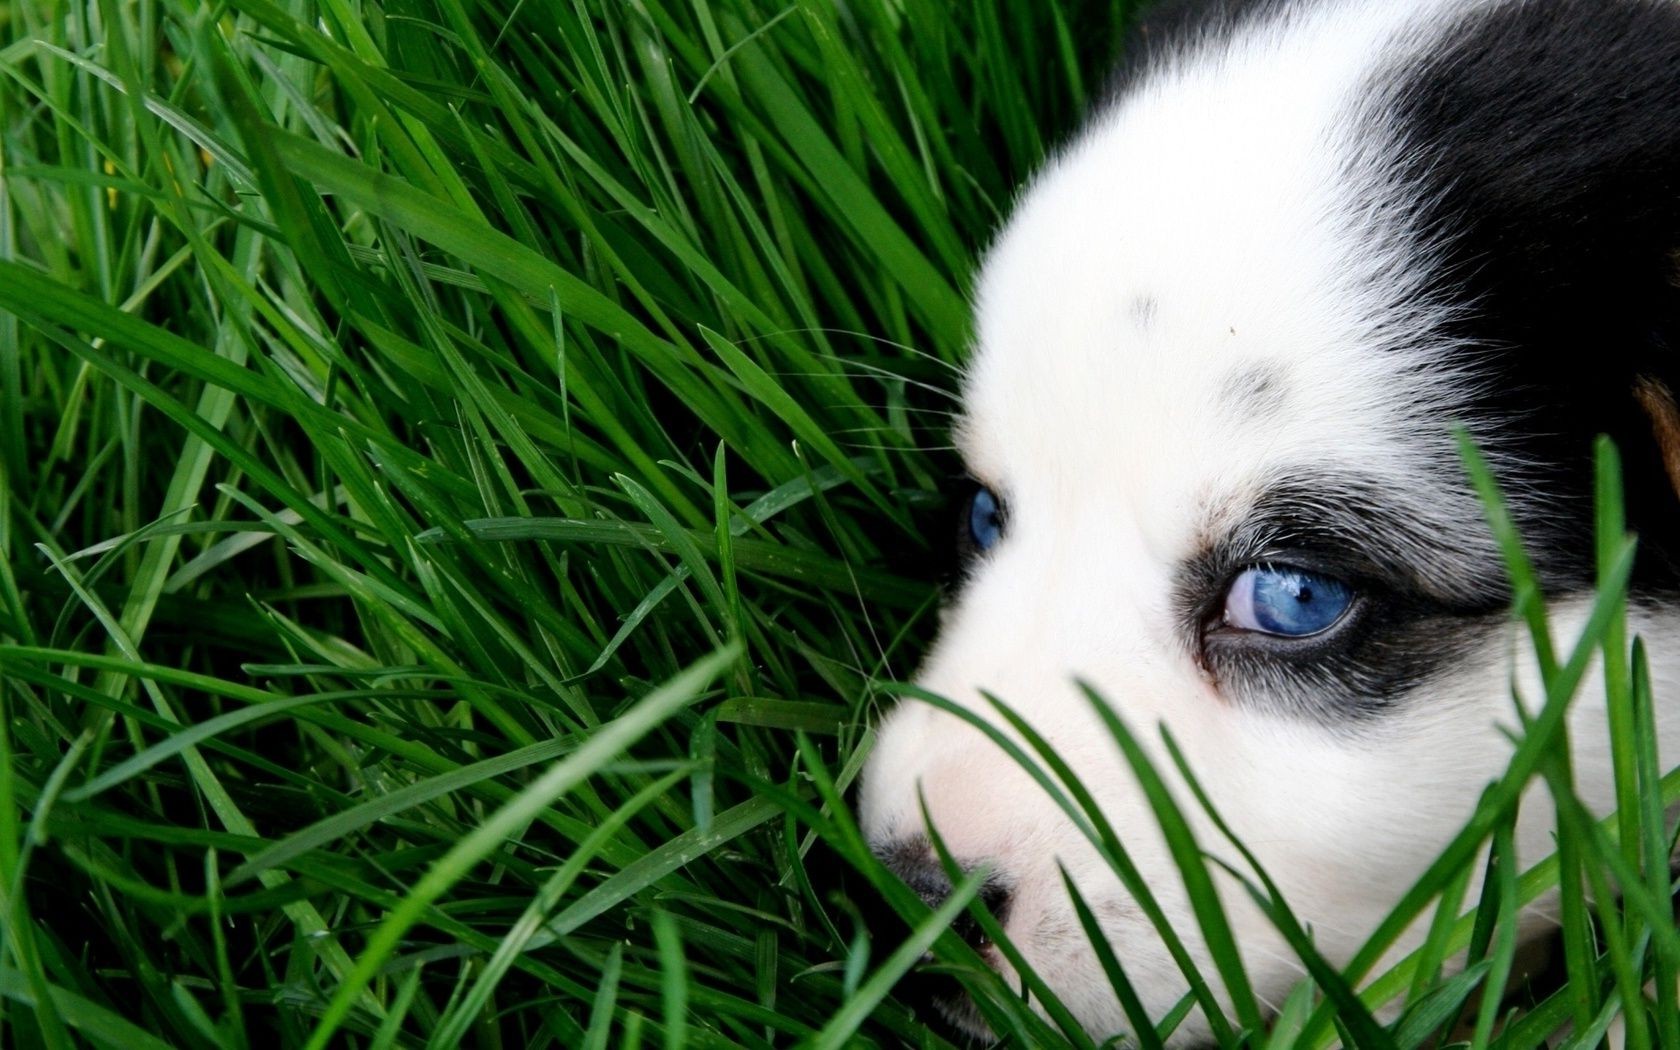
{"type": "Point", "coordinates": [469, 474]}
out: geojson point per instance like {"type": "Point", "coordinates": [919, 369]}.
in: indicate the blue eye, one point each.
{"type": "Point", "coordinates": [1290, 603]}
{"type": "Point", "coordinates": [985, 519]}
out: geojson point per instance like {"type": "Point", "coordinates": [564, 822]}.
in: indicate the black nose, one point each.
{"type": "Point", "coordinates": [914, 861]}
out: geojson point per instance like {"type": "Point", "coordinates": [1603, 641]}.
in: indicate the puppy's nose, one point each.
{"type": "Point", "coordinates": [914, 861]}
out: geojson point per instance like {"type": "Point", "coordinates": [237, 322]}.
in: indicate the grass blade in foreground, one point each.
{"type": "Point", "coordinates": [607, 743]}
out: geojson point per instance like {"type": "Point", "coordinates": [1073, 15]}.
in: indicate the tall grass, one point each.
{"type": "Point", "coordinates": [466, 471]}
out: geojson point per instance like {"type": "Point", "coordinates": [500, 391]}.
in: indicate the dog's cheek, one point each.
{"type": "Point", "coordinates": [985, 808]}
{"type": "Point", "coordinates": [1362, 815]}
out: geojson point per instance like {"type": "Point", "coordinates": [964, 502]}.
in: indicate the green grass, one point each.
{"type": "Point", "coordinates": [468, 474]}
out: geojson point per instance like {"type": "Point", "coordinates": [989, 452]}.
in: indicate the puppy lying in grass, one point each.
{"type": "Point", "coordinates": [1222, 346]}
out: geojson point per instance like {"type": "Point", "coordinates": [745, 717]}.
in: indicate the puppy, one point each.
{"type": "Point", "coordinates": [1220, 349]}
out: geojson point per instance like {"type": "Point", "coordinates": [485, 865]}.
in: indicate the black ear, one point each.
{"type": "Point", "coordinates": [1543, 142]}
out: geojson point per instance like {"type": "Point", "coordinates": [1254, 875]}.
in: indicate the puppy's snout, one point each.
{"type": "Point", "coordinates": [915, 862]}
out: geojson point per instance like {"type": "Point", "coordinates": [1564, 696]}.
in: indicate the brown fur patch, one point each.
{"type": "Point", "coordinates": [1658, 402]}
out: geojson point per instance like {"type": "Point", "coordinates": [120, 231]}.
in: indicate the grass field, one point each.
{"type": "Point", "coordinates": [468, 473]}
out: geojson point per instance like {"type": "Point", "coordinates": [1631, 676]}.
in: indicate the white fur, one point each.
{"type": "Point", "coordinates": [1235, 195]}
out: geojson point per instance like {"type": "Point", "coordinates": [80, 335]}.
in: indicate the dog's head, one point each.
{"type": "Point", "coordinates": [1221, 347]}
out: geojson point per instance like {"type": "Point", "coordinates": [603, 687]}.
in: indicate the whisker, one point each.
{"type": "Point", "coordinates": [899, 448]}
{"type": "Point", "coordinates": [921, 410]}
{"type": "Point", "coordinates": [855, 334]}
{"type": "Point", "coordinates": [869, 371]}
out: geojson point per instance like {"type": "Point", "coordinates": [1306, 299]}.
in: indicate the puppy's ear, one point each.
{"type": "Point", "coordinates": [1657, 400]}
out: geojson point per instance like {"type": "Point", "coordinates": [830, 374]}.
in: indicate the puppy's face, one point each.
{"type": "Point", "coordinates": [1222, 503]}
{"type": "Point", "coordinates": [1209, 416]}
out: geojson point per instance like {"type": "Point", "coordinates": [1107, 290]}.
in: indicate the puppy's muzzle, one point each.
{"type": "Point", "coordinates": [914, 861]}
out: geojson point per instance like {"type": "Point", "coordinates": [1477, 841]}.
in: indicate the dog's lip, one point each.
{"type": "Point", "coordinates": [961, 1013]}
{"type": "Point", "coordinates": [936, 991]}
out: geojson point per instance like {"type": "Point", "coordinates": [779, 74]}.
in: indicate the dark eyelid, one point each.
{"type": "Point", "coordinates": [1347, 526]}
{"type": "Point", "coordinates": [1296, 647]}
{"type": "Point", "coordinates": [1425, 590]}
{"type": "Point", "coordinates": [1354, 527]}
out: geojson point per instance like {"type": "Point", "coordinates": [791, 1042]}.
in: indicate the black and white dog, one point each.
{"type": "Point", "coordinates": [1221, 345]}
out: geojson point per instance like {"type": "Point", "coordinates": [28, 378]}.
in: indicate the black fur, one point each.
{"type": "Point", "coordinates": [1413, 615]}
{"type": "Point", "coordinates": [1545, 139]}
{"type": "Point", "coordinates": [1542, 140]}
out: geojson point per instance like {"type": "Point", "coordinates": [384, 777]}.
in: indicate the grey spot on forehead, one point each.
{"type": "Point", "coordinates": [1254, 390]}
{"type": "Point", "coordinates": [1143, 310]}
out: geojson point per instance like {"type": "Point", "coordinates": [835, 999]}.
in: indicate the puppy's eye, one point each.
{"type": "Point", "coordinates": [1285, 601]}
{"type": "Point", "coordinates": [985, 519]}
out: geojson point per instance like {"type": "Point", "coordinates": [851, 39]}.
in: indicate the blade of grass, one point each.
{"type": "Point", "coordinates": [606, 744]}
